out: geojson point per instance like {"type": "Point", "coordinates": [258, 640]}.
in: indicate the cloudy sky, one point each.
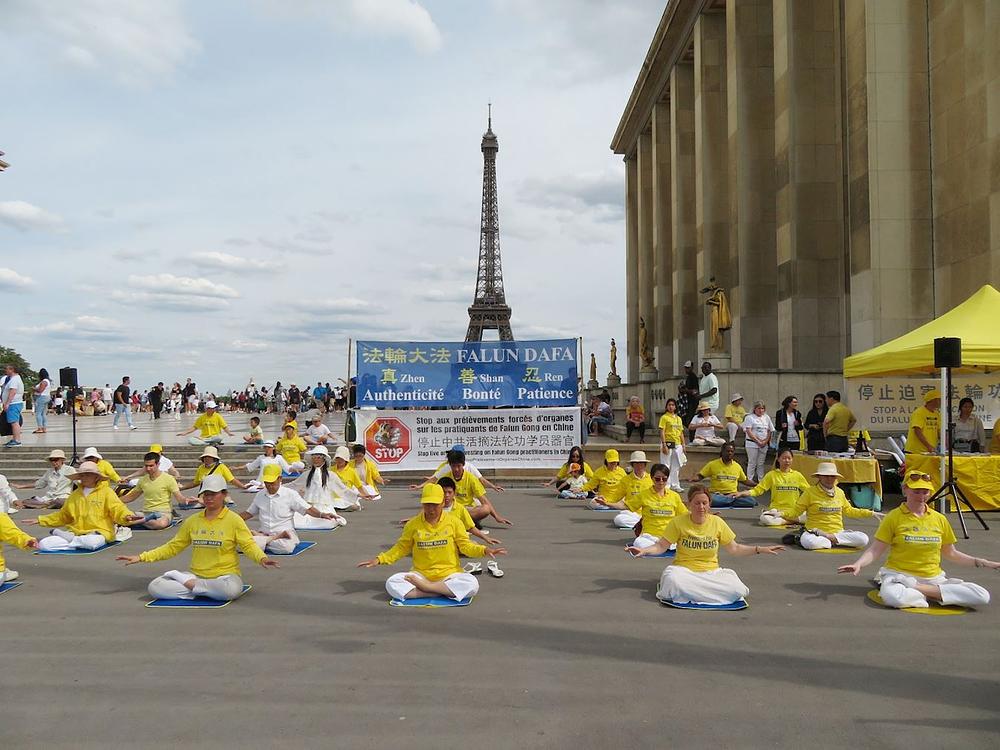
{"type": "Point", "coordinates": [229, 190]}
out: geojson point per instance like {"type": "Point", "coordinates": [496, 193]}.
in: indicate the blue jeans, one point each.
{"type": "Point", "coordinates": [41, 407]}
{"type": "Point", "coordinates": [724, 501]}
{"type": "Point", "coordinates": [123, 409]}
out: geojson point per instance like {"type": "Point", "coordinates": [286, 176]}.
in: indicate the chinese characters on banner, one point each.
{"type": "Point", "coordinates": [508, 438]}
{"type": "Point", "coordinates": [489, 373]}
{"type": "Point", "coordinates": [885, 404]}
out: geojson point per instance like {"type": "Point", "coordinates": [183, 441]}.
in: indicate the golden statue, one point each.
{"type": "Point", "coordinates": [614, 357]}
{"type": "Point", "coordinates": [721, 319]}
{"type": "Point", "coordinates": [645, 353]}
{"type": "Point", "coordinates": [593, 368]}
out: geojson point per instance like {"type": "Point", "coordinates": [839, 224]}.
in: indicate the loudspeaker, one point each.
{"type": "Point", "coordinates": [947, 352]}
{"type": "Point", "coordinates": [67, 377]}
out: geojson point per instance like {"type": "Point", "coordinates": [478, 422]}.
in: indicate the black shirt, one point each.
{"type": "Point", "coordinates": [122, 394]}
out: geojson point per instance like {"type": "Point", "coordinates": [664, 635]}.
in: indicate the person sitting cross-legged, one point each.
{"type": "Point", "coordinates": [52, 488]}
{"type": "Point", "coordinates": [367, 471]}
{"type": "Point", "coordinates": [256, 467]}
{"type": "Point", "coordinates": [323, 489]}
{"type": "Point", "coordinates": [825, 506]}
{"type": "Point", "coordinates": [605, 480]}
{"type": "Point", "coordinates": [210, 426]}
{"type": "Point", "coordinates": [434, 539]}
{"type": "Point", "coordinates": [213, 536]}
{"type": "Point", "coordinates": [917, 537]}
{"type": "Point", "coordinates": [469, 491]}
{"type": "Point", "coordinates": [275, 507]}
{"type": "Point", "coordinates": [785, 485]}
{"type": "Point", "coordinates": [725, 475]}
{"type": "Point", "coordinates": [211, 466]}
{"type": "Point", "coordinates": [652, 510]}
{"type": "Point", "coordinates": [155, 488]}
{"type": "Point", "coordinates": [88, 518]}
{"type": "Point", "coordinates": [318, 433]}
{"type": "Point", "coordinates": [291, 447]}
{"type": "Point", "coordinates": [627, 490]}
{"type": "Point", "coordinates": [10, 534]}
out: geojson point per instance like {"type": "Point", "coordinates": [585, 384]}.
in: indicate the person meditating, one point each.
{"type": "Point", "coordinates": [344, 469]}
{"type": "Point", "coordinates": [469, 491]}
{"type": "Point", "coordinates": [323, 490]}
{"type": "Point", "coordinates": [53, 486]}
{"type": "Point", "coordinates": [607, 477]}
{"type": "Point", "coordinates": [103, 465]}
{"type": "Point", "coordinates": [10, 534]}
{"type": "Point", "coordinates": [785, 485]}
{"type": "Point", "coordinates": [211, 466]}
{"type": "Point", "coordinates": [825, 506]}
{"type": "Point", "coordinates": [917, 536]}
{"type": "Point", "coordinates": [461, 512]}
{"type": "Point", "coordinates": [367, 471]}
{"type": "Point", "coordinates": [434, 539]}
{"type": "Point", "coordinates": [213, 536]}
{"type": "Point", "coordinates": [165, 464]}
{"type": "Point", "coordinates": [155, 488]}
{"type": "Point", "coordinates": [318, 433]}
{"type": "Point", "coordinates": [705, 423]}
{"type": "Point", "coordinates": [695, 576]}
{"type": "Point", "coordinates": [291, 447]}
{"type": "Point", "coordinates": [88, 517]}
{"type": "Point", "coordinates": [258, 464]}
{"type": "Point", "coordinates": [561, 479]}
{"type": "Point", "coordinates": [725, 475]}
{"type": "Point", "coordinates": [443, 468]}
{"type": "Point", "coordinates": [275, 508]}
{"type": "Point", "coordinates": [627, 489]}
{"type": "Point", "coordinates": [210, 425]}
{"type": "Point", "coordinates": [651, 511]}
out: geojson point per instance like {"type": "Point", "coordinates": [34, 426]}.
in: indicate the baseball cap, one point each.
{"type": "Point", "coordinates": [212, 483]}
{"type": "Point", "coordinates": [271, 473]}
{"type": "Point", "coordinates": [432, 494]}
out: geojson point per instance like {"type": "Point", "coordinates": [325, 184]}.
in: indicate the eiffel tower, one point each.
{"type": "Point", "coordinates": [489, 310]}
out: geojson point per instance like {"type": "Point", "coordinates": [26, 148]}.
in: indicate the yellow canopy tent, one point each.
{"type": "Point", "coordinates": [976, 322]}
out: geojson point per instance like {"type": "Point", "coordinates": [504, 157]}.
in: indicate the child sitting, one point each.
{"type": "Point", "coordinates": [571, 488]}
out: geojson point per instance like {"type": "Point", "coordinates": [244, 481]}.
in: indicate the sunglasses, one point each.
{"type": "Point", "coordinates": [917, 476]}
{"type": "Point", "coordinates": [659, 478]}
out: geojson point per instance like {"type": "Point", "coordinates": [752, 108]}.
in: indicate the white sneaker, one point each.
{"type": "Point", "coordinates": [8, 576]}
{"type": "Point", "coordinates": [132, 427]}
{"type": "Point", "coordinates": [114, 427]}
{"type": "Point", "coordinates": [123, 533]}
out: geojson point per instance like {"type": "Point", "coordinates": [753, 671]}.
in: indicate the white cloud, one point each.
{"type": "Point", "coordinates": [599, 196]}
{"type": "Point", "coordinates": [229, 262]}
{"type": "Point", "coordinates": [12, 281]}
{"type": "Point", "coordinates": [135, 42]}
{"type": "Point", "coordinates": [172, 302]}
{"type": "Point", "coordinates": [246, 346]}
{"type": "Point", "coordinates": [455, 293]}
{"type": "Point", "coordinates": [82, 327]}
{"type": "Point", "coordinates": [181, 286]}
{"type": "Point", "coordinates": [25, 216]}
{"type": "Point", "coordinates": [343, 305]}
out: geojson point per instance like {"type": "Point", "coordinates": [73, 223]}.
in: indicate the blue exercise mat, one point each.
{"type": "Point", "coordinates": [9, 585]}
{"type": "Point", "coordinates": [198, 602]}
{"type": "Point", "coordinates": [740, 604]}
{"type": "Point", "coordinates": [668, 553]}
{"type": "Point", "coordinates": [606, 510]}
{"type": "Point", "coordinates": [173, 523]}
{"type": "Point", "coordinates": [299, 549]}
{"type": "Point", "coordinates": [290, 475]}
{"type": "Point", "coordinates": [77, 551]}
{"type": "Point", "coordinates": [429, 601]}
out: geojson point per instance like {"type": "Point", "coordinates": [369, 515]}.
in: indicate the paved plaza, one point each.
{"type": "Point", "coordinates": [569, 649]}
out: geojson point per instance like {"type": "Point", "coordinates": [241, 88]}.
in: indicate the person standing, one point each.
{"type": "Point", "coordinates": [837, 424]}
{"type": "Point", "coordinates": [12, 398]}
{"type": "Point", "coordinates": [122, 398]}
{"type": "Point", "coordinates": [708, 387]}
{"type": "Point", "coordinates": [40, 400]}
{"type": "Point", "coordinates": [788, 422]}
{"type": "Point", "coordinates": [925, 423]}
{"type": "Point", "coordinates": [758, 428]}
{"type": "Point", "coordinates": [815, 437]}
{"type": "Point", "coordinates": [107, 396]}
{"type": "Point", "coordinates": [156, 399]}
{"type": "Point", "coordinates": [688, 393]}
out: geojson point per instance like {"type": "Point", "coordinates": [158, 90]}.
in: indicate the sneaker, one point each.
{"type": "Point", "coordinates": [123, 534]}
{"type": "Point", "coordinates": [8, 576]}
{"type": "Point", "coordinates": [114, 427]}
{"type": "Point", "coordinates": [13, 443]}
{"type": "Point", "coordinates": [132, 427]}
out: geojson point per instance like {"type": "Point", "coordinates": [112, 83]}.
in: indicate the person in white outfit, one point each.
{"type": "Point", "coordinates": [695, 576]}
{"type": "Point", "coordinates": [257, 466]}
{"type": "Point", "coordinates": [705, 423]}
{"type": "Point", "coordinates": [318, 433]}
{"type": "Point", "coordinates": [53, 487]}
{"type": "Point", "coordinates": [916, 537]}
{"type": "Point", "coordinates": [275, 508]}
{"type": "Point", "coordinates": [367, 471]}
{"type": "Point", "coordinates": [825, 506]}
{"type": "Point", "coordinates": [758, 428]}
{"type": "Point", "coordinates": [8, 500]}
{"type": "Point", "coordinates": [672, 443]}
{"type": "Point", "coordinates": [324, 491]}
{"type": "Point", "coordinates": [166, 466]}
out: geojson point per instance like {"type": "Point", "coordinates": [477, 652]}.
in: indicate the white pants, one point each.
{"type": "Point", "coordinates": [756, 456]}
{"type": "Point", "coordinates": [303, 521]}
{"type": "Point", "coordinates": [343, 503]}
{"type": "Point", "coordinates": [897, 590]}
{"type": "Point", "coordinates": [627, 519]}
{"type": "Point", "coordinates": [708, 441]}
{"type": "Point", "coordinates": [370, 489]}
{"type": "Point", "coordinates": [461, 585]}
{"type": "Point", "coordinates": [844, 539]}
{"type": "Point", "coordinates": [223, 589]}
{"type": "Point", "coordinates": [296, 466]}
{"type": "Point", "coordinates": [648, 540]}
{"type": "Point", "coordinates": [719, 586]}
{"type": "Point", "coordinates": [214, 440]}
{"type": "Point", "coordinates": [773, 517]}
{"type": "Point", "coordinates": [733, 429]}
{"type": "Point", "coordinates": [674, 459]}
{"type": "Point", "coordinates": [277, 546]}
{"type": "Point", "coordinates": [68, 540]}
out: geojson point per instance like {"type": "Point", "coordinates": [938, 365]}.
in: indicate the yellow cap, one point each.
{"type": "Point", "coordinates": [611, 455]}
{"type": "Point", "coordinates": [271, 473]}
{"type": "Point", "coordinates": [931, 395]}
{"type": "Point", "coordinates": [433, 494]}
{"type": "Point", "coordinates": [155, 448]}
{"type": "Point", "coordinates": [916, 480]}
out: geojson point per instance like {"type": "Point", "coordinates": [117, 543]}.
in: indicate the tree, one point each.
{"type": "Point", "coordinates": [29, 376]}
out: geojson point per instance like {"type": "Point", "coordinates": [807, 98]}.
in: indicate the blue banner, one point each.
{"type": "Point", "coordinates": [489, 373]}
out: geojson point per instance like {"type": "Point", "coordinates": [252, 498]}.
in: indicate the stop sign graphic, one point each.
{"type": "Point", "coordinates": [387, 440]}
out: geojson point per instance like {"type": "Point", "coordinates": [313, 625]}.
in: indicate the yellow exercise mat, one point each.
{"type": "Point", "coordinates": [933, 609]}
{"type": "Point", "coordinates": [838, 550]}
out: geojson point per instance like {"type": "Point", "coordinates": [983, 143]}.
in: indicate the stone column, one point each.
{"type": "Point", "coordinates": [750, 110]}
{"type": "Point", "coordinates": [644, 151]}
{"type": "Point", "coordinates": [683, 221]}
{"type": "Point", "coordinates": [632, 267]}
{"type": "Point", "coordinates": [711, 148]}
{"type": "Point", "coordinates": [663, 303]}
{"type": "Point", "coordinates": [809, 185]}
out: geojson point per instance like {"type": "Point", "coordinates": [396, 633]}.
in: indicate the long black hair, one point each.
{"type": "Point", "coordinates": [324, 470]}
{"type": "Point", "coordinates": [575, 449]}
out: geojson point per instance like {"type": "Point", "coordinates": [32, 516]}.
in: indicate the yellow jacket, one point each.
{"type": "Point", "coordinates": [213, 544]}
{"type": "Point", "coordinates": [99, 511]}
{"type": "Point", "coordinates": [108, 470]}
{"type": "Point", "coordinates": [825, 513]}
{"type": "Point", "coordinates": [10, 534]}
{"type": "Point", "coordinates": [604, 480]}
{"type": "Point", "coordinates": [434, 548]}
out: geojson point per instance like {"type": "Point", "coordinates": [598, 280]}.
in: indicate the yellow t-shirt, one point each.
{"type": "Point", "coordinates": [434, 548]}
{"type": "Point", "coordinates": [698, 545]}
{"type": "Point", "coordinates": [468, 488]}
{"type": "Point", "coordinates": [604, 480]}
{"type": "Point", "coordinates": [785, 488]}
{"type": "Point", "coordinates": [629, 487]}
{"type": "Point", "coordinates": [156, 493]}
{"type": "Point", "coordinates": [372, 475]}
{"type": "Point", "coordinates": [826, 513]}
{"type": "Point", "coordinates": [97, 512]}
{"type": "Point", "coordinates": [735, 413]}
{"type": "Point", "coordinates": [349, 476]}
{"type": "Point", "coordinates": [929, 423]}
{"type": "Point", "coordinates": [915, 542]}
{"type": "Point", "coordinates": [564, 471]}
{"type": "Point", "coordinates": [108, 470]}
{"type": "Point", "coordinates": [210, 426]}
{"type": "Point", "coordinates": [723, 478]}
{"type": "Point", "coordinates": [291, 449]}
{"type": "Point", "coordinates": [672, 428]}
{"type": "Point", "coordinates": [213, 544]}
{"type": "Point", "coordinates": [462, 514]}
{"type": "Point", "coordinates": [656, 510]}
{"type": "Point", "coordinates": [838, 420]}
{"type": "Point", "coordinates": [10, 534]}
{"type": "Point", "coordinates": [222, 471]}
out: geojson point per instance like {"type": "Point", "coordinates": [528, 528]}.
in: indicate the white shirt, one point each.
{"type": "Point", "coordinates": [335, 496]}
{"type": "Point", "coordinates": [705, 426]}
{"type": "Point", "coordinates": [469, 467]}
{"type": "Point", "coordinates": [7, 496]}
{"type": "Point", "coordinates": [707, 383]}
{"type": "Point", "coordinates": [316, 431]}
{"type": "Point", "coordinates": [165, 464]}
{"type": "Point", "coordinates": [15, 384]}
{"type": "Point", "coordinates": [276, 513]}
{"type": "Point", "coordinates": [106, 394]}
{"type": "Point", "coordinates": [757, 426]}
{"type": "Point", "coordinates": [55, 484]}
{"type": "Point", "coordinates": [260, 462]}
